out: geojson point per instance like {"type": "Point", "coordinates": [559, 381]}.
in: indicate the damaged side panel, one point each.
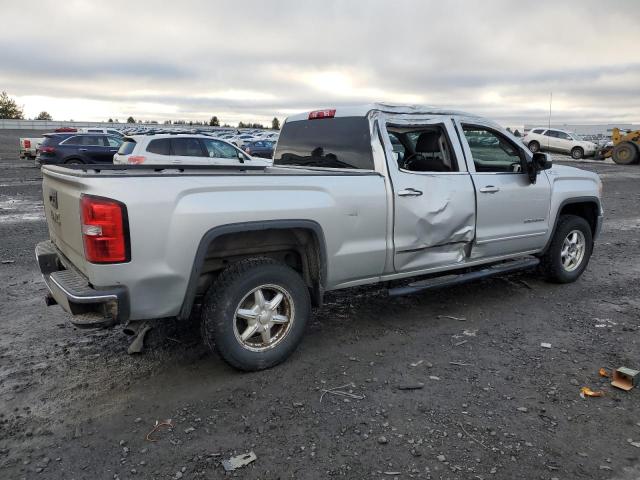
{"type": "Point", "coordinates": [436, 228]}
{"type": "Point", "coordinates": [434, 212]}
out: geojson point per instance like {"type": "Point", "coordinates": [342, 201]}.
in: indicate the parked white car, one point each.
{"type": "Point", "coordinates": [554, 140]}
{"type": "Point", "coordinates": [241, 139]}
{"type": "Point", "coordinates": [182, 150]}
{"type": "Point", "coordinates": [108, 131]}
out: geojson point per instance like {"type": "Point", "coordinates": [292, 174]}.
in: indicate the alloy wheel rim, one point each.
{"type": "Point", "coordinates": [573, 250]}
{"type": "Point", "coordinates": [263, 318]}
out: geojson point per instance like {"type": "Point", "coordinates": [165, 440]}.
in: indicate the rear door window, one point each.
{"type": "Point", "coordinates": [113, 142]}
{"type": "Point", "coordinates": [342, 142]}
{"type": "Point", "coordinates": [186, 147]}
{"type": "Point", "coordinates": [93, 141]}
{"type": "Point", "coordinates": [75, 140]}
{"type": "Point", "coordinates": [160, 146]}
{"type": "Point", "coordinates": [127, 147]}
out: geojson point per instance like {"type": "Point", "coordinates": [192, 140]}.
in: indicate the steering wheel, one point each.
{"type": "Point", "coordinates": [406, 161]}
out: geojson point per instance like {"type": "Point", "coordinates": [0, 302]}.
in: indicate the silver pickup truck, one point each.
{"type": "Point", "coordinates": [415, 197]}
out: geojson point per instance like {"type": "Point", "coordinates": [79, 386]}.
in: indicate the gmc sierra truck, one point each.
{"type": "Point", "coordinates": [415, 197]}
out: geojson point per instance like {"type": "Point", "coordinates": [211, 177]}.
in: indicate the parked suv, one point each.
{"type": "Point", "coordinates": [555, 140]}
{"type": "Point", "coordinates": [181, 149]}
{"type": "Point", "coordinates": [260, 148]}
{"type": "Point", "coordinates": [77, 148]}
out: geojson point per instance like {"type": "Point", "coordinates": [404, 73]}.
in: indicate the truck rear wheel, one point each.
{"type": "Point", "coordinates": [570, 250]}
{"type": "Point", "coordinates": [625, 153]}
{"type": "Point", "coordinates": [255, 313]}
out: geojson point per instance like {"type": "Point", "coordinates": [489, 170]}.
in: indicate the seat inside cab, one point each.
{"type": "Point", "coordinates": [424, 149]}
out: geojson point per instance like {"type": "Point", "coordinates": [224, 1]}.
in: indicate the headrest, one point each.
{"type": "Point", "coordinates": [428, 142]}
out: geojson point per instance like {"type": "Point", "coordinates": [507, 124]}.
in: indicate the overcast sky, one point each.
{"type": "Point", "coordinates": [252, 60]}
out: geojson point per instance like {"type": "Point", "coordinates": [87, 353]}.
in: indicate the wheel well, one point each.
{"type": "Point", "coordinates": [577, 147]}
{"type": "Point", "coordinates": [299, 248]}
{"type": "Point", "coordinates": [71, 159]}
{"type": "Point", "coordinates": [586, 210]}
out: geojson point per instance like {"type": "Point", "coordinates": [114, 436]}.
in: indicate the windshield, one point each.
{"type": "Point", "coordinates": [575, 136]}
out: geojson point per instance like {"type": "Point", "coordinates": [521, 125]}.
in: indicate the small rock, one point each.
{"type": "Point", "coordinates": [138, 420]}
{"type": "Point", "coordinates": [545, 345]}
{"type": "Point", "coordinates": [574, 382]}
{"type": "Point", "coordinates": [382, 440]}
{"type": "Point", "coordinates": [441, 458]}
{"type": "Point", "coordinates": [523, 409]}
{"type": "Point", "coordinates": [123, 443]}
{"type": "Point", "coordinates": [189, 430]}
{"type": "Point", "coordinates": [178, 475]}
{"type": "Point", "coordinates": [433, 377]}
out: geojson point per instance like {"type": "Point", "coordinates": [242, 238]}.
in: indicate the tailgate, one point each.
{"type": "Point", "coordinates": [61, 197]}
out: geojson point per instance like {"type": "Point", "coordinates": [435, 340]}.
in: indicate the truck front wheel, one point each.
{"type": "Point", "coordinates": [255, 313]}
{"type": "Point", "coordinates": [570, 250]}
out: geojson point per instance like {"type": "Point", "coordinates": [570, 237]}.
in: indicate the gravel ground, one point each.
{"type": "Point", "coordinates": [485, 400]}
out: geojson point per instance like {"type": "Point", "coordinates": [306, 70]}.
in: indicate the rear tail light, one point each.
{"type": "Point", "coordinates": [27, 144]}
{"type": "Point", "coordinates": [329, 113]}
{"type": "Point", "coordinates": [47, 150]}
{"type": "Point", "coordinates": [136, 159]}
{"type": "Point", "coordinates": [104, 230]}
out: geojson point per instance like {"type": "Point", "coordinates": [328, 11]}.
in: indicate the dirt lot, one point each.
{"type": "Point", "coordinates": [494, 404]}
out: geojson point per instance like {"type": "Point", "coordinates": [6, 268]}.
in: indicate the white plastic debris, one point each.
{"type": "Point", "coordinates": [240, 461]}
{"type": "Point", "coordinates": [545, 345]}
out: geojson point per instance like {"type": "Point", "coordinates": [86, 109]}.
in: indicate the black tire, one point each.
{"type": "Point", "coordinates": [551, 261]}
{"type": "Point", "coordinates": [577, 153]}
{"type": "Point", "coordinates": [625, 153]}
{"type": "Point", "coordinates": [225, 296]}
{"type": "Point", "coordinates": [74, 161]}
{"type": "Point", "coordinates": [534, 146]}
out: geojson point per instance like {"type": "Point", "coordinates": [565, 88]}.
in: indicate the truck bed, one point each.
{"type": "Point", "coordinates": [170, 210]}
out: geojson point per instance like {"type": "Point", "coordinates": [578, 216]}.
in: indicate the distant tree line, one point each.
{"type": "Point", "coordinates": [9, 109]}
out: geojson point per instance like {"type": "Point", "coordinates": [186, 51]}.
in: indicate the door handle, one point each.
{"type": "Point", "coordinates": [113, 151]}
{"type": "Point", "coordinates": [82, 149]}
{"type": "Point", "coordinates": [489, 189]}
{"type": "Point", "coordinates": [409, 192]}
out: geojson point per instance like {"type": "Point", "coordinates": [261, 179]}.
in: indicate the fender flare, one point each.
{"type": "Point", "coordinates": [570, 201]}
{"type": "Point", "coordinates": [241, 227]}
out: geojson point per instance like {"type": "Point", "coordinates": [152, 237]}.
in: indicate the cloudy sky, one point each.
{"type": "Point", "coordinates": [252, 60]}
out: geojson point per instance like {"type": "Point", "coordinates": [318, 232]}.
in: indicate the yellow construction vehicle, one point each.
{"type": "Point", "coordinates": [626, 147]}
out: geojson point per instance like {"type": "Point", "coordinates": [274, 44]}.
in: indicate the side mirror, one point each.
{"type": "Point", "coordinates": [542, 161]}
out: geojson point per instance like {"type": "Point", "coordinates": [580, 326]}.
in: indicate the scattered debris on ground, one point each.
{"type": "Point", "coordinates": [158, 426]}
{"type": "Point", "coordinates": [239, 461]}
{"type": "Point", "coordinates": [138, 343]}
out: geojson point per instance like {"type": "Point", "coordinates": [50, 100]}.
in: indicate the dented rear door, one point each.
{"type": "Point", "coordinates": [434, 212]}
